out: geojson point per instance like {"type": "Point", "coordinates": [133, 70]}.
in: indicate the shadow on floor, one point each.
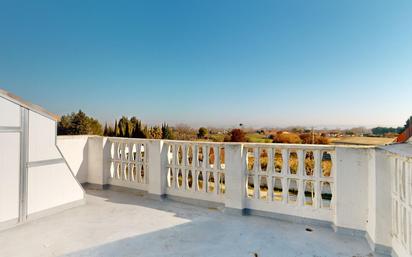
{"type": "Point", "coordinates": [213, 233]}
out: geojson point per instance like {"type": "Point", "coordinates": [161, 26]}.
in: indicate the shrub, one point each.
{"type": "Point", "coordinates": [237, 135]}
{"type": "Point", "coordinates": [202, 132]}
{"type": "Point", "coordinates": [286, 138]}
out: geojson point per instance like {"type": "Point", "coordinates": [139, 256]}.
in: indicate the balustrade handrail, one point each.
{"type": "Point", "coordinates": [248, 144]}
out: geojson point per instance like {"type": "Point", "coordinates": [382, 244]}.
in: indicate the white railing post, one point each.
{"type": "Point", "coordinates": [95, 162]}
{"type": "Point", "coordinates": [235, 178]}
{"type": "Point", "coordinates": [379, 203]}
{"type": "Point", "coordinates": [351, 190]}
{"type": "Point", "coordinates": [157, 162]}
{"type": "Point", "coordinates": [106, 160]}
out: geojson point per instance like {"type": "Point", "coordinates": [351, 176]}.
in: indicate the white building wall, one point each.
{"type": "Point", "coordinates": [51, 186]}
{"type": "Point", "coordinates": [10, 175]}
{"type": "Point", "coordinates": [9, 161]}
{"type": "Point", "coordinates": [42, 138]}
{"type": "Point", "coordinates": [9, 113]}
{"type": "Point", "coordinates": [75, 151]}
{"type": "Point", "coordinates": [34, 175]}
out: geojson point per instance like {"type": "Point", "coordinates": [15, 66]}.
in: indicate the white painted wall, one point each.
{"type": "Point", "coordinates": [9, 113]}
{"type": "Point", "coordinates": [75, 150]}
{"type": "Point", "coordinates": [42, 138]}
{"type": "Point", "coordinates": [10, 175]}
{"type": "Point", "coordinates": [51, 186]}
{"type": "Point", "coordinates": [86, 157]}
{"type": "Point", "coordinates": [50, 183]}
{"type": "Point", "coordinates": [9, 161]}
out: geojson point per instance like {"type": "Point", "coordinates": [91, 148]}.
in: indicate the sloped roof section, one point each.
{"type": "Point", "coordinates": [18, 100]}
{"type": "Point", "coordinates": [405, 136]}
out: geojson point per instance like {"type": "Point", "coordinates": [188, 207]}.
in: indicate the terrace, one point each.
{"type": "Point", "coordinates": [181, 198]}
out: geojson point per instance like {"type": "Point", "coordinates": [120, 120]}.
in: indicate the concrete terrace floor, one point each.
{"type": "Point", "coordinates": [115, 224]}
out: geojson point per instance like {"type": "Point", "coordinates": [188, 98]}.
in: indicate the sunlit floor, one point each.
{"type": "Point", "coordinates": [115, 224]}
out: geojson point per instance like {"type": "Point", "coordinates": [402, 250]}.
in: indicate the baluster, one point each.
{"type": "Point", "coordinates": [270, 174]}
{"type": "Point", "coordinates": [256, 172]}
{"type": "Point", "coordinates": [144, 163]}
{"type": "Point", "coordinates": [185, 166]}
{"type": "Point", "coordinates": [122, 152]}
{"type": "Point", "coordinates": [316, 177]}
{"type": "Point", "coordinates": [285, 190]}
{"type": "Point", "coordinates": [175, 164]}
{"type": "Point", "coordinates": [245, 170]}
{"type": "Point", "coordinates": [301, 192]}
{"type": "Point", "coordinates": [216, 169]}
{"type": "Point", "coordinates": [205, 163]}
{"type": "Point", "coordinates": [285, 162]}
{"type": "Point", "coordinates": [195, 171]}
{"type": "Point", "coordinates": [217, 157]}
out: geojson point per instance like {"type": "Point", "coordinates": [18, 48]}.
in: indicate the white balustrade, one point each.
{"type": "Point", "coordinates": [331, 184]}
{"type": "Point", "coordinates": [290, 178]}
{"type": "Point", "coordinates": [196, 170]}
{"type": "Point", "coordinates": [402, 205]}
{"type": "Point", "coordinates": [128, 163]}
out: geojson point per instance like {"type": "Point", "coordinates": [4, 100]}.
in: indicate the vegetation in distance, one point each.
{"type": "Point", "coordinates": [81, 124]}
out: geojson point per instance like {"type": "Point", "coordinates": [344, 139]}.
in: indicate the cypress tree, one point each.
{"type": "Point", "coordinates": [167, 133]}
{"type": "Point", "coordinates": [116, 129]}
{"type": "Point", "coordinates": [106, 130]}
{"type": "Point", "coordinates": [127, 130]}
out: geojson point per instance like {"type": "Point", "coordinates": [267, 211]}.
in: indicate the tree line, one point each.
{"type": "Point", "coordinates": [81, 124]}
{"type": "Point", "coordinates": [390, 130]}
{"type": "Point", "coordinates": [134, 128]}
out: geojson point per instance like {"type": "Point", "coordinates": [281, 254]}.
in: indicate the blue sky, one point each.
{"type": "Point", "coordinates": [261, 63]}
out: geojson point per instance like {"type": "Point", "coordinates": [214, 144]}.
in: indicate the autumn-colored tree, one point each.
{"type": "Point", "coordinates": [237, 135]}
{"type": "Point", "coordinates": [155, 132]}
{"type": "Point", "coordinates": [184, 132]}
{"type": "Point", "coordinates": [309, 138]}
{"type": "Point", "coordinates": [286, 138]}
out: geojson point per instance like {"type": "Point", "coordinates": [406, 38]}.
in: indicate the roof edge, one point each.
{"type": "Point", "coordinates": [33, 107]}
